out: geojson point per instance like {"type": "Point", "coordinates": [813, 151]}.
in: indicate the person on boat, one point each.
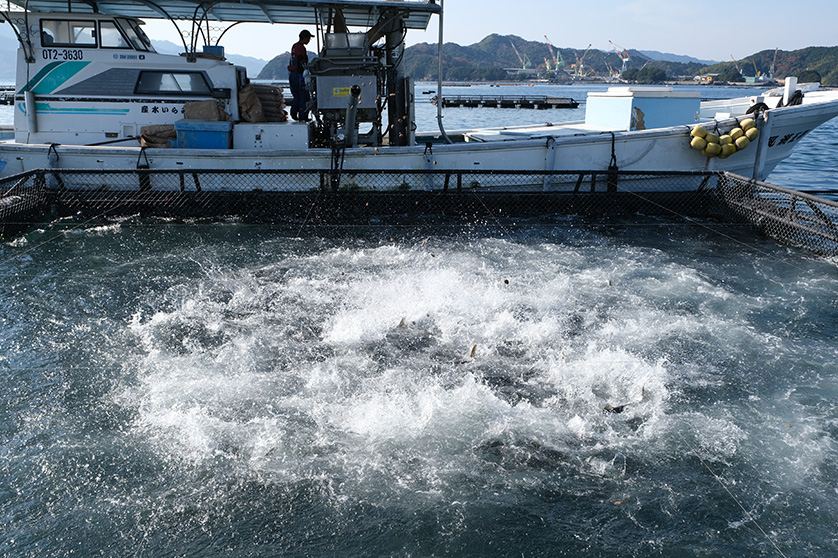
{"type": "Point", "coordinates": [299, 60]}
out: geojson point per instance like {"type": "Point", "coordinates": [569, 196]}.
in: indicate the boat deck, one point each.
{"type": "Point", "coordinates": [525, 132]}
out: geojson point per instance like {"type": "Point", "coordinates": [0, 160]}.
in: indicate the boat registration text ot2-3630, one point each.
{"type": "Point", "coordinates": [63, 54]}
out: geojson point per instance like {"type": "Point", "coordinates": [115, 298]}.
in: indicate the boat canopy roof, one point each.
{"type": "Point", "coordinates": [363, 13]}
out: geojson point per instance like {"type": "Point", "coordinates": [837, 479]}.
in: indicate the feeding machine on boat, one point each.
{"type": "Point", "coordinates": [92, 93]}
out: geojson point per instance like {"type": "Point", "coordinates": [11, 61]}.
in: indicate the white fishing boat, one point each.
{"type": "Point", "coordinates": [91, 92]}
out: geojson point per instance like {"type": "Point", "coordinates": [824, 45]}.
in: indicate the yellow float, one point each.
{"type": "Point", "coordinates": [728, 149]}
{"type": "Point", "coordinates": [698, 132]}
{"type": "Point", "coordinates": [723, 145]}
{"type": "Point", "coordinates": [698, 143]}
{"type": "Point", "coordinates": [742, 143]}
{"type": "Point", "coordinates": [712, 149]}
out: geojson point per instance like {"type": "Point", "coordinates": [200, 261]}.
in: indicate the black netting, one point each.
{"type": "Point", "coordinates": [315, 198]}
{"type": "Point", "coordinates": [790, 216]}
{"type": "Point", "coordinates": [23, 203]}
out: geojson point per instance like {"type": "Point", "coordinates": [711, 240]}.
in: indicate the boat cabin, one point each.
{"type": "Point", "coordinates": [87, 75]}
{"type": "Point", "coordinates": [86, 79]}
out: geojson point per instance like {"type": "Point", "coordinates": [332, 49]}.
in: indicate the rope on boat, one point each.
{"type": "Point", "coordinates": [140, 157]}
{"type": "Point", "coordinates": [53, 150]}
{"type": "Point", "coordinates": [338, 155]}
{"type": "Point", "coordinates": [109, 142]}
{"type": "Point", "coordinates": [613, 169]}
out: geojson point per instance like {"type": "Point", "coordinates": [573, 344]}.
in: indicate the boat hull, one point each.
{"type": "Point", "coordinates": [659, 150]}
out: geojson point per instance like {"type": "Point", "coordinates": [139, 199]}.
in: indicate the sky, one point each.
{"type": "Point", "coordinates": [704, 30]}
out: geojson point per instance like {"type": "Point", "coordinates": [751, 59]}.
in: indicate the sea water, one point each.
{"type": "Point", "coordinates": [574, 387]}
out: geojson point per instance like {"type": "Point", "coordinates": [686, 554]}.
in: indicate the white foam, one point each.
{"type": "Point", "coordinates": [356, 366]}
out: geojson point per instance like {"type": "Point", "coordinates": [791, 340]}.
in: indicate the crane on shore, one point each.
{"type": "Point", "coordinates": [526, 68]}
{"type": "Point", "coordinates": [736, 65]}
{"type": "Point", "coordinates": [558, 62]}
{"type": "Point", "coordinates": [623, 54]}
{"type": "Point", "coordinates": [579, 71]}
{"type": "Point", "coordinates": [611, 73]}
{"type": "Point", "coordinates": [524, 60]}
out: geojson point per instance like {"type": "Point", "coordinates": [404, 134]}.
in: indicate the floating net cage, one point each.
{"type": "Point", "coordinates": [325, 198]}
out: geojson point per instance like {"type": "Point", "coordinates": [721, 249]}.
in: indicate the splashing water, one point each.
{"type": "Point", "coordinates": [545, 391]}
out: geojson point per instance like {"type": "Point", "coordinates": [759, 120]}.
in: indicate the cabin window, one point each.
{"type": "Point", "coordinates": [172, 83]}
{"type": "Point", "coordinates": [64, 32]}
{"type": "Point", "coordinates": [135, 34]}
{"type": "Point", "coordinates": [110, 36]}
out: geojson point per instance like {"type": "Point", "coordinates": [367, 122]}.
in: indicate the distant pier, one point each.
{"type": "Point", "coordinates": [506, 101]}
{"type": "Point", "coordinates": [7, 95]}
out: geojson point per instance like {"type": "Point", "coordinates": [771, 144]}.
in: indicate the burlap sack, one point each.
{"type": "Point", "coordinates": [250, 107]}
{"type": "Point", "coordinates": [157, 136]}
{"type": "Point", "coordinates": [204, 110]}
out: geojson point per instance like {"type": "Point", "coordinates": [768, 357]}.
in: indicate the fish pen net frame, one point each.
{"type": "Point", "coordinates": [325, 198]}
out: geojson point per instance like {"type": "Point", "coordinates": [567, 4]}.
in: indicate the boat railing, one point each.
{"type": "Point", "coordinates": [322, 198]}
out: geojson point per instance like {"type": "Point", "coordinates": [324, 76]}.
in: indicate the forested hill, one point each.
{"type": "Point", "coordinates": [487, 60]}
{"type": "Point", "coordinates": [808, 64]}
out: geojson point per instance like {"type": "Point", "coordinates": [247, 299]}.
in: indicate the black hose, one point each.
{"type": "Point", "coordinates": [794, 100]}
{"type": "Point", "coordinates": [757, 108]}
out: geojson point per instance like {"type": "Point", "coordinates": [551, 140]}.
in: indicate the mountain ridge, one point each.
{"type": "Point", "coordinates": [671, 57]}
{"type": "Point", "coordinates": [488, 59]}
